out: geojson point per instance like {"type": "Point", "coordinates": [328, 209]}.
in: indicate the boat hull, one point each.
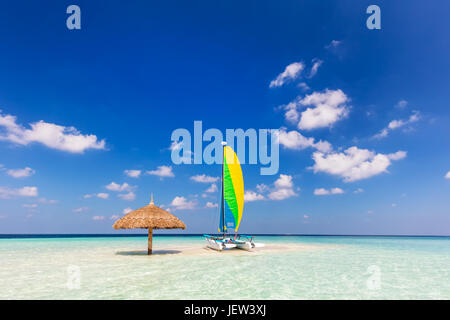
{"type": "Point", "coordinates": [249, 246]}
{"type": "Point", "coordinates": [219, 245]}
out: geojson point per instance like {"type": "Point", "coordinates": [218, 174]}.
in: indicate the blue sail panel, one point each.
{"type": "Point", "coordinates": [230, 222]}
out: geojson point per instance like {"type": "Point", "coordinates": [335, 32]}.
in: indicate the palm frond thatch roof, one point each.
{"type": "Point", "coordinates": [150, 216]}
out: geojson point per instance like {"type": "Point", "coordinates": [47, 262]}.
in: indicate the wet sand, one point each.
{"type": "Point", "coordinates": [195, 250]}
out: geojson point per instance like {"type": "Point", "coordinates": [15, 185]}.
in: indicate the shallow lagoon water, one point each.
{"type": "Point", "coordinates": [290, 267]}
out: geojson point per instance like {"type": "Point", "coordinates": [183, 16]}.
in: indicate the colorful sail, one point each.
{"type": "Point", "coordinates": [232, 202]}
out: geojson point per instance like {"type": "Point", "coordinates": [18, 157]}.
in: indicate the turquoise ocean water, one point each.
{"type": "Point", "coordinates": [335, 267]}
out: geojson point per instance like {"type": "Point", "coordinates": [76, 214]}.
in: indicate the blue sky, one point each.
{"type": "Point", "coordinates": [110, 95]}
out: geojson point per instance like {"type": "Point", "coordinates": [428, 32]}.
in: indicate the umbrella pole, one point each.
{"type": "Point", "coordinates": [150, 238]}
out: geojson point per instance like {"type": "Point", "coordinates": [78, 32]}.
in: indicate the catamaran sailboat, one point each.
{"type": "Point", "coordinates": [231, 206]}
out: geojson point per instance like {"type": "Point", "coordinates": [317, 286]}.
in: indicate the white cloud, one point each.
{"type": "Point", "coordinates": [162, 171]}
{"type": "Point", "coordinates": [7, 193]}
{"type": "Point", "coordinates": [395, 124]}
{"type": "Point", "coordinates": [402, 104]}
{"type": "Point", "coordinates": [127, 210]}
{"type": "Point", "coordinates": [262, 187]}
{"type": "Point", "coordinates": [397, 155]}
{"type": "Point", "coordinates": [354, 164]}
{"type": "Point", "coordinates": [20, 173]}
{"type": "Point", "coordinates": [321, 192]}
{"type": "Point", "coordinates": [324, 192]}
{"type": "Point", "coordinates": [133, 173]}
{"type": "Point", "coordinates": [51, 135]}
{"type": "Point", "coordinates": [203, 178]}
{"type": "Point", "coordinates": [212, 188]}
{"type": "Point", "coordinates": [175, 145]}
{"type": "Point", "coordinates": [284, 181]}
{"type": "Point", "coordinates": [292, 115]}
{"type": "Point", "coordinates": [316, 64]}
{"type": "Point", "coordinates": [359, 190]}
{"type": "Point", "coordinates": [296, 141]}
{"type": "Point", "coordinates": [181, 203]}
{"type": "Point", "coordinates": [283, 188]}
{"type": "Point", "coordinates": [211, 205]}
{"type": "Point", "coordinates": [282, 194]}
{"type": "Point", "coordinates": [447, 176]}
{"type": "Point", "coordinates": [98, 218]}
{"type": "Point", "coordinates": [305, 216]}
{"type": "Point", "coordinates": [46, 201]}
{"type": "Point", "coordinates": [130, 196]}
{"type": "Point", "coordinates": [119, 188]}
{"type": "Point", "coordinates": [250, 196]}
{"type": "Point", "coordinates": [30, 206]}
{"type": "Point", "coordinates": [337, 191]}
{"type": "Point", "coordinates": [114, 217]}
{"type": "Point", "coordinates": [291, 72]}
{"type": "Point", "coordinates": [329, 107]}
{"type": "Point", "coordinates": [98, 195]}
{"type": "Point", "coordinates": [79, 210]}
{"type": "Point", "coordinates": [394, 205]}
{"type": "Point", "coordinates": [304, 86]}
{"type": "Point", "coordinates": [333, 44]}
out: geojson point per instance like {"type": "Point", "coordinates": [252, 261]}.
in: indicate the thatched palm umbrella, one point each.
{"type": "Point", "coordinates": [149, 217]}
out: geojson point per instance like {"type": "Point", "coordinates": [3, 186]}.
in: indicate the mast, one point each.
{"type": "Point", "coordinates": [223, 191]}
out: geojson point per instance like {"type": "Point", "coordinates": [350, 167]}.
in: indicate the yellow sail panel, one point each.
{"type": "Point", "coordinates": [235, 172]}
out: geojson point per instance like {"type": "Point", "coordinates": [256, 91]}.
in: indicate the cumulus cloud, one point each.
{"type": "Point", "coordinates": [315, 67]}
{"type": "Point", "coordinates": [447, 176]}
{"type": "Point", "coordinates": [283, 188]}
{"type": "Point", "coordinates": [53, 136]}
{"type": "Point", "coordinates": [324, 192]}
{"type": "Point", "coordinates": [395, 124]}
{"type": "Point", "coordinates": [296, 141]}
{"type": "Point", "coordinates": [212, 188]}
{"type": "Point", "coordinates": [127, 210]}
{"type": "Point", "coordinates": [181, 203]}
{"type": "Point", "coordinates": [211, 205]}
{"type": "Point", "coordinates": [354, 164]}
{"type": "Point", "coordinates": [130, 196]}
{"type": "Point", "coordinates": [119, 188]}
{"type": "Point", "coordinates": [133, 173]}
{"type": "Point", "coordinates": [79, 210]}
{"type": "Point", "coordinates": [100, 195]}
{"type": "Point", "coordinates": [328, 108]}
{"type": "Point", "coordinates": [98, 218]}
{"type": "Point", "coordinates": [7, 193]}
{"type": "Point", "coordinates": [359, 190]}
{"type": "Point", "coordinates": [162, 171]}
{"type": "Point", "coordinates": [291, 72]}
{"type": "Point", "coordinates": [20, 173]}
{"type": "Point", "coordinates": [203, 178]}
{"type": "Point", "coordinates": [250, 196]}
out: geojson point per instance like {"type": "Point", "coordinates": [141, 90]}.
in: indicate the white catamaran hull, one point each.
{"type": "Point", "coordinates": [249, 246]}
{"type": "Point", "coordinates": [219, 245]}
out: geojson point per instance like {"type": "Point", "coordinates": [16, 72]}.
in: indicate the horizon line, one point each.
{"type": "Point", "coordinates": [98, 235]}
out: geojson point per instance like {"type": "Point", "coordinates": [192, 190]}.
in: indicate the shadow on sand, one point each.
{"type": "Point", "coordinates": [144, 252]}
